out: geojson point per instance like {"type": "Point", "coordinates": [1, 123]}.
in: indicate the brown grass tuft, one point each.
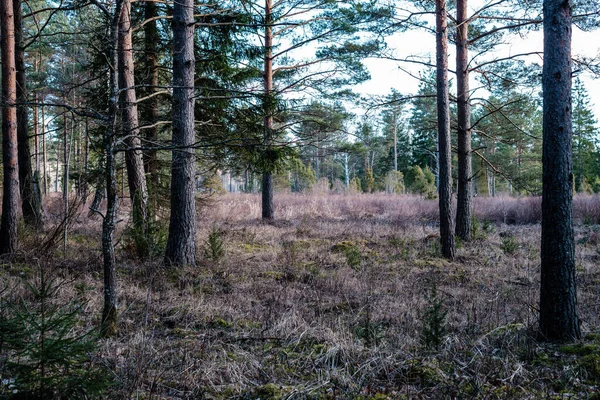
{"type": "Point", "coordinates": [328, 301]}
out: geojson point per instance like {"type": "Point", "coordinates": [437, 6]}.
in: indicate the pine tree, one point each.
{"type": "Point", "coordinates": [558, 294]}
{"type": "Point", "coordinates": [136, 178]}
{"type": "Point", "coordinates": [181, 243]}
{"type": "Point", "coordinates": [508, 128]}
{"type": "Point", "coordinates": [285, 28]}
{"type": "Point", "coordinates": [464, 193]}
{"type": "Point", "coordinates": [10, 196]}
{"type": "Point", "coordinates": [585, 133]}
{"type": "Point", "coordinates": [31, 202]}
{"type": "Point", "coordinates": [423, 122]}
{"type": "Point", "coordinates": [48, 355]}
{"type": "Point", "coordinates": [443, 132]}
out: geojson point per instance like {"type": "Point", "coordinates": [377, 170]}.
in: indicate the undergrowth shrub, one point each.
{"type": "Point", "coordinates": [352, 252]}
{"type": "Point", "coordinates": [371, 332]}
{"type": "Point", "coordinates": [421, 181]}
{"type": "Point", "coordinates": [320, 186]}
{"type": "Point", "coordinates": [303, 176]}
{"type": "Point", "coordinates": [487, 226]}
{"type": "Point", "coordinates": [353, 255]}
{"type": "Point", "coordinates": [212, 184]}
{"type": "Point", "coordinates": [394, 182]}
{"type": "Point", "coordinates": [509, 245]}
{"type": "Point", "coordinates": [368, 181]}
{"type": "Point", "coordinates": [355, 185]}
{"type": "Point", "coordinates": [148, 243]}
{"type": "Point", "coordinates": [214, 247]}
{"type": "Point", "coordinates": [433, 328]}
{"type": "Point", "coordinates": [47, 354]}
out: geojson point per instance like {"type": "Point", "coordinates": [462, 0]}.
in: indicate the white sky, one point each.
{"type": "Point", "coordinates": [386, 74]}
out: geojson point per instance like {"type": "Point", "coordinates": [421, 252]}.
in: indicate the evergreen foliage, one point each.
{"type": "Point", "coordinates": [421, 181]}
{"type": "Point", "coordinates": [214, 248]}
{"type": "Point", "coordinates": [48, 354]}
{"type": "Point", "coordinates": [586, 158]}
{"type": "Point", "coordinates": [433, 329]}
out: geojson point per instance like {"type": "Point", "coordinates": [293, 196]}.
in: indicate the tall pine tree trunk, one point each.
{"type": "Point", "coordinates": [66, 165]}
{"type": "Point", "coordinates": [44, 152]}
{"type": "Point", "coordinates": [36, 132]}
{"type": "Point", "coordinates": [134, 163]}
{"type": "Point", "coordinates": [558, 295]}
{"type": "Point", "coordinates": [181, 243]}
{"type": "Point", "coordinates": [464, 197]}
{"type": "Point", "coordinates": [395, 140]}
{"type": "Point", "coordinates": [268, 207]}
{"type": "Point", "coordinates": [30, 203]}
{"type": "Point", "coordinates": [10, 194]}
{"type": "Point", "coordinates": [443, 118]}
{"type": "Point", "coordinates": [86, 161]}
{"type": "Point", "coordinates": [150, 112]}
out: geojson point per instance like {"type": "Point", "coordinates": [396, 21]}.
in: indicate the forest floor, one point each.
{"type": "Point", "coordinates": [341, 297]}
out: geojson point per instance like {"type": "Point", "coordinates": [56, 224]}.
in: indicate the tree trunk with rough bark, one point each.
{"type": "Point", "coordinates": [558, 295]}
{"type": "Point", "coordinates": [443, 117]}
{"type": "Point", "coordinates": [150, 111]}
{"type": "Point", "coordinates": [181, 243]}
{"type": "Point", "coordinates": [36, 134]}
{"type": "Point", "coordinates": [66, 165]}
{"type": "Point", "coordinates": [134, 163]}
{"type": "Point", "coordinates": [44, 153]}
{"type": "Point", "coordinates": [10, 194]}
{"type": "Point", "coordinates": [395, 140]}
{"type": "Point", "coordinates": [31, 204]}
{"type": "Point", "coordinates": [86, 161]}
{"type": "Point", "coordinates": [268, 207]}
{"type": "Point", "coordinates": [464, 191]}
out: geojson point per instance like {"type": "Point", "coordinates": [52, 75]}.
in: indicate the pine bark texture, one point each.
{"type": "Point", "coordinates": [181, 243]}
{"type": "Point", "coordinates": [44, 152]}
{"type": "Point", "coordinates": [36, 134]}
{"type": "Point", "coordinates": [136, 178]}
{"type": "Point", "coordinates": [150, 112]}
{"type": "Point", "coordinates": [86, 162]}
{"type": "Point", "coordinates": [65, 182]}
{"type": "Point", "coordinates": [443, 117]}
{"type": "Point", "coordinates": [464, 191]}
{"type": "Point", "coordinates": [10, 194]}
{"type": "Point", "coordinates": [558, 295]}
{"type": "Point", "coordinates": [31, 204]}
{"type": "Point", "coordinates": [268, 206]}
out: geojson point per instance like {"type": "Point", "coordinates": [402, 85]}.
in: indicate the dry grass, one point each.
{"type": "Point", "coordinates": [328, 302]}
{"type": "Point", "coordinates": [404, 210]}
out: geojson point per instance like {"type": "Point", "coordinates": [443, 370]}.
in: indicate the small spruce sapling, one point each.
{"type": "Point", "coordinates": [434, 328]}
{"type": "Point", "coordinates": [49, 356]}
{"type": "Point", "coordinates": [214, 248]}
